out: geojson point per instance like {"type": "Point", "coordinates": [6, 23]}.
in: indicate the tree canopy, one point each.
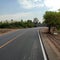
{"type": "Point", "coordinates": [35, 21]}
{"type": "Point", "coordinates": [52, 19]}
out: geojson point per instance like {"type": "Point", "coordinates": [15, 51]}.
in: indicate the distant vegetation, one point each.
{"type": "Point", "coordinates": [20, 24]}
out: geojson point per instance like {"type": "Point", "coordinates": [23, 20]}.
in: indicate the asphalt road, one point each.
{"type": "Point", "coordinates": [21, 45]}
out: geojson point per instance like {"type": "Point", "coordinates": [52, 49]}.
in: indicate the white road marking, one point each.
{"type": "Point", "coordinates": [8, 42]}
{"type": "Point", "coordinates": [43, 51]}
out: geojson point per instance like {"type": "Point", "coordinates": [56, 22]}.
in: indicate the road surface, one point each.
{"type": "Point", "coordinates": [23, 44]}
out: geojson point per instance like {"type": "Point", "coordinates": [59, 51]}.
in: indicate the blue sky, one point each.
{"type": "Point", "coordinates": [26, 9]}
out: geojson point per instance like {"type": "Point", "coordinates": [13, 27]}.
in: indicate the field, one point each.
{"type": "Point", "coordinates": [3, 31]}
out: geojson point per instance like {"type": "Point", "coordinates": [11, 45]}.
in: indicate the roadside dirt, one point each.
{"type": "Point", "coordinates": [51, 45]}
{"type": "Point", "coordinates": [5, 31]}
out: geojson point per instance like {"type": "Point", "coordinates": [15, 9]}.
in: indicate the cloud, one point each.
{"type": "Point", "coordinates": [28, 4]}
{"type": "Point", "coordinates": [19, 16]}
{"type": "Point", "coordinates": [53, 5]}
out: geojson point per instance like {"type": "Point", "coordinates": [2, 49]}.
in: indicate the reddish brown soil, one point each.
{"type": "Point", "coordinates": [5, 31]}
{"type": "Point", "coordinates": [51, 43]}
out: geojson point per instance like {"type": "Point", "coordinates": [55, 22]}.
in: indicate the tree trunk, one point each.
{"type": "Point", "coordinates": [49, 28]}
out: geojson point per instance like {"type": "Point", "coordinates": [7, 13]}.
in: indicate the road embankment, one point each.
{"type": "Point", "coordinates": [51, 49]}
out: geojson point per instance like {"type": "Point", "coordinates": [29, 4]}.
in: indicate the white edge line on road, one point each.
{"type": "Point", "coordinates": [44, 55]}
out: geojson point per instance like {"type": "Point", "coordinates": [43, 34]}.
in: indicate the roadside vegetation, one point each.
{"type": "Point", "coordinates": [20, 24]}
{"type": "Point", "coordinates": [52, 20]}
{"type": "Point", "coordinates": [7, 26]}
{"type": "Point", "coordinates": [16, 24]}
{"type": "Point", "coordinates": [52, 32]}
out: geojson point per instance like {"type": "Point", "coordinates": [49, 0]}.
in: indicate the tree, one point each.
{"type": "Point", "coordinates": [52, 19]}
{"type": "Point", "coordinates": [35, 21]}
{"type": "Point", "coordinates": [58, 20]}
{"type": "Point", "coordinates": [59, 10]}
{"type": "Point", "coordinates": [12, 20]}
{"type": "Point", "coordinates": [30, 23]}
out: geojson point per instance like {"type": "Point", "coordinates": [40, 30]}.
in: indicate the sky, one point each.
{"type": "Point", "coordinates": [26, 9]}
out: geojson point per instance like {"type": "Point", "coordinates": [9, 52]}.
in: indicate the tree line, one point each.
{"type": "Point", "coordinates": [19, 24]}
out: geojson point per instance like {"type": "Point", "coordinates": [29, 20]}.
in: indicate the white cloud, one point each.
{"type": "Point", "coordinates": [28, 4]}
{"type": "Point", "coordinates": [53, 5]}
{"type": "Point", "coordinates": [19, 16]}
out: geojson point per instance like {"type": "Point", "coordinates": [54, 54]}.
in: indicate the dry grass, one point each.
{"type": "Point", "coordinates": [5, 30]}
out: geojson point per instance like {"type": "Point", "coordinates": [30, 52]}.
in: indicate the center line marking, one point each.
{"type": "Point", "coordinates": [7, 43]}
{"type": "Point", "coordinates": [10, 41]}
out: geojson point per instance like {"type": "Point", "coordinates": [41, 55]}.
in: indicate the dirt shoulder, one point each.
{"type": "Point", "coordinates": [5, 31]}
{"type": "Point", "coordinates": [51, 50]}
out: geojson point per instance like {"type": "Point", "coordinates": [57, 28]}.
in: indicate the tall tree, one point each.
{"type": "Point", "coordinates": [52, 19]}
{"type": "Point", "coordinates": [35, 21]}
